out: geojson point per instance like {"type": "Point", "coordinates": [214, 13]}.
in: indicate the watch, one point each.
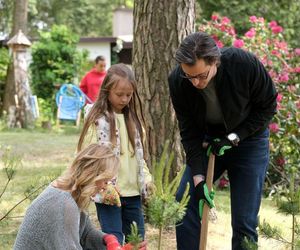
{"type": "Point", "coordinates": [233, 138]}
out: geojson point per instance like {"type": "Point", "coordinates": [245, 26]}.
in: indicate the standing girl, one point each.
{"type": "Point", "coordinates": [117, 118]}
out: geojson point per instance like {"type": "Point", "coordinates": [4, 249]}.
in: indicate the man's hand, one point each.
{"type": "Point", "coordinates": [203, 195]}
{"type": "Point", "coordinates": [218, 146]}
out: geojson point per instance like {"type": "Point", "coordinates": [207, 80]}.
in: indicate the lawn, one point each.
{"type": "Point", "coordinates": [49, 153]}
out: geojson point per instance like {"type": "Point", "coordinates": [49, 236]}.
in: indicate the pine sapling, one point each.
{"type": "Point", "coordinates": [163, 210]}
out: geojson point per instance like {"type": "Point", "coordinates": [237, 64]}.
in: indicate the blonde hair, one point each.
{"type": "Point", "coordinates": [133, 113]}
{"type": "Point", "coordinates": [94, 163]}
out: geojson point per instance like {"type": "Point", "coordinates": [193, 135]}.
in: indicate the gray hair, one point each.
{"type": "Point", "coordinates": [198, 45]}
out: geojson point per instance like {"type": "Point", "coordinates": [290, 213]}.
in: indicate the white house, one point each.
{"type": "Point", "coordinates": [120, 43]}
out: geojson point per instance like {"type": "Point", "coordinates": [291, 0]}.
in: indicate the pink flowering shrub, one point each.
{"type": "Point", "coordinates": [267, 42]}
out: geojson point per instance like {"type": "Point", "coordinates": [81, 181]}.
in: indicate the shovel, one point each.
{"type": "Point", "coordinates": [209, 183]}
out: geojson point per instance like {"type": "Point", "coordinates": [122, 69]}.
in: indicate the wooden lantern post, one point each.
{"type": "Point", "coordinates": [23, 110]}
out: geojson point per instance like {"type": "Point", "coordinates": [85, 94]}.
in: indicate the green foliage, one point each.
{"type": "Point", "coordinates": [46, 109]}
{"type": "Point", "coordinates": [249, 245]}
{"type": "Point", "coordinates": [55, 61]}
{"type": "Point", "coordinates": [266, 41]}
{"type": "Point", "coordinates": [286, 12]}
{"type": "Point", "coordinates": [84, 17]}
{"type": "Point", "coordinates": [269, 232]}
{"type": "Point", "coordinates": [11, 162]}
{"type": "Point", "coordinates": [163, 210]}
{"type": "Point", "coordinates": [288, 203]}
{"type": "Point", "coordinates": [134, 238]}
{"type": "Point", "coordinates": [4, 61]}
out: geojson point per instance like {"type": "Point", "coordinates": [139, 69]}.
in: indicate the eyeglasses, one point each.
{"type": "Point", "coordinates": [198, 77]}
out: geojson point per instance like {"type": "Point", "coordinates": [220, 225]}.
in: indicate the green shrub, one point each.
{"type": "Point", "coordinates": [55, 61]}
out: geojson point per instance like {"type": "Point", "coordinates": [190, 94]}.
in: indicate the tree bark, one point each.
{"type": "Point", "coordinates": [159, 27]}
{"type": "Point", "coordinates": [19, 23]}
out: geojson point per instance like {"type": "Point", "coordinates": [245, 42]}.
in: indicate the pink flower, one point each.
{"type": "Point", "coordinates": [298, 105]}
{"type": "Point", "coordinates": [253, 19]}
{"type": "Point", "coordinates": [261, 20]}
{"type": "Point", "coordinates": [278, 106]}
{"type": "Point", "coordinates": [238, 43]}
{"type": "Point", "coordinates": [274, 127]}
{"type": "Point", "coordinates": [231, 32]}
{"type": "Point", "coordinates": [272, 24]}
{"type": "Point", "coordinates": [219, 44]}
{"type": "Point", "coordinates": [223, 182]}
{"type": "Point", "coordinates": [280, 161]}
{"type": "Point", "coordinates": [279, 97]}
{"type": "Point", "coordinates": [275, 52]}
{"type": "Point", "coordinates": [291, 88]}
{"type": "Point", "coordinates": [225, 20]}
{"type": "Point", "coordinates": [214, 17]}
{"type": "Point", "coordinates": [297, 51]}
{"type": "Point", "coordinates": [297, 70]}
{"type": "Point", "coordinates": [284, 77]}
{"type": "Point", "coordinates": [277, 29]}
{"type": "Point", "coordinates": [250, 33]}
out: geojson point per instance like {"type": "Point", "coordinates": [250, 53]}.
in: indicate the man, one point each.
{"type": "Point", "coordinates": [91, 82]}
{"type": "Point", "coordinates": [226, 99]}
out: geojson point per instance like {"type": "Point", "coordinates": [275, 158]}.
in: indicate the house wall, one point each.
{"type": "Point", "coordinates": [96, 49]}
{"type": "Point", "coordinates": [122, 22]}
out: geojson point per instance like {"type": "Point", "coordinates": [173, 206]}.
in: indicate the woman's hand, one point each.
{"type": "Point", "coordinates": [141, 246]}
{"type": "Point", "coordinates": [112, 243]}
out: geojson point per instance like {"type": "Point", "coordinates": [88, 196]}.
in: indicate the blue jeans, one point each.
{"type": "Point", "coordinates": [117, 220]}
{"type": "Point", "coordinates": [246, 165]}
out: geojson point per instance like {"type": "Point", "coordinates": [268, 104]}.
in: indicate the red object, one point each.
{"type": "Point", "coordinates": [91, 83]}
{"type": "Point", "coordinates": [111, 242]}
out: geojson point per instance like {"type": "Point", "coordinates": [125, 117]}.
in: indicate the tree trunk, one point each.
{"type": "Point", "coordinates": [19, 23]}
{"type": "Point", "coordinates": [159, 27]}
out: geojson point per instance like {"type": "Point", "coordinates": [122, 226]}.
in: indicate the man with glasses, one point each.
{"type": "Point", "coordinates": [224, 100]}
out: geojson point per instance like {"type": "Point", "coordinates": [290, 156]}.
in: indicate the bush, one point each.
{"type": "Point", "coordinates": [55, 61]}
{"type": "Point", "coordinates": [266, 41]}
{"type": "Point", "coordinates": [4, 60]}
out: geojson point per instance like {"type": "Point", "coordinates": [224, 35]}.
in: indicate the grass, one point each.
{"type": "Point", "coordinates": [49, 153]}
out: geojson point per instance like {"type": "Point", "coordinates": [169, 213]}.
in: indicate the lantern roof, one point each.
{"type": "Point", "coordinates": [19, 39]}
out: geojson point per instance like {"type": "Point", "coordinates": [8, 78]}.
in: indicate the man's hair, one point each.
{"type": "Point", "coordinates": [195, 46]}
{"type": "Point", "coordinates": [99, 58]}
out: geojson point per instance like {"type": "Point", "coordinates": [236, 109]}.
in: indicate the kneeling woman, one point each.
{"type": "Point", "coordinates": [56, 218]}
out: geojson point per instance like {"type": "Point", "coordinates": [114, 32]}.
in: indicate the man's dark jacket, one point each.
{"type": "Point", "coordinates": [246, 94]}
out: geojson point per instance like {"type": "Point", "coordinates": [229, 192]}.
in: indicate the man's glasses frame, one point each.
{"type": "Point", "coordinates": [198, 77]}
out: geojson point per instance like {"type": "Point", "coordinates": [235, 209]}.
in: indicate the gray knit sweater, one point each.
{"type": "Point", "coordinates": [54, 221]}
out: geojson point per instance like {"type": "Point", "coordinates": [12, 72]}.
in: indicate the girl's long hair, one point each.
{"type": "Point", "coordinates": [94, 163]}
{"type": "Point", "coordinates": [133, 113]}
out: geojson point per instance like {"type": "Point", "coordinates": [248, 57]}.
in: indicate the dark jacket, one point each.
{"type": "Point", "coordinates": [246, 94]}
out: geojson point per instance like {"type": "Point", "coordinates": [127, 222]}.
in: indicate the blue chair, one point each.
{"type": "Point", "coordinates": [69, 100]}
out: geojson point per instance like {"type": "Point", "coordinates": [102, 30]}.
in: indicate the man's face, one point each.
{"type": "Point", "coordinates": [199, 74]}
{"type": "Point", "coordinates": [100, 66]}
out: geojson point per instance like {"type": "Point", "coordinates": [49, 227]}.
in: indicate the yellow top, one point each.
{"type": "Point", "coordinates": [128, 172]}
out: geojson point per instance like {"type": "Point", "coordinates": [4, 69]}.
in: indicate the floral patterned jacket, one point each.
{"type": "Point", "coordinates": [103, 138]}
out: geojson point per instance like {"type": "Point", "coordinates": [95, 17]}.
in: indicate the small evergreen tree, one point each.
{"type": "Point", "coordinates": [288, 203]}
{"type": "Point", "coordinates": [163, 210]}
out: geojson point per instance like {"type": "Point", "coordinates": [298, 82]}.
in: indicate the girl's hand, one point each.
{"type": "Point", "coordinates": [150, 188]}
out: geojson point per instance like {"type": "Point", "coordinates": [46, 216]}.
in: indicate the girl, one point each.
{"type": "Point", "coordinates": [56, 218]}
{"type": "Point", "coordinates": [117, 117]}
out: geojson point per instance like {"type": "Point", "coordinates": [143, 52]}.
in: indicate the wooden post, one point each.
{"type": "Point", "coordinates": [24, 111]}
{"type": "Point", "coordinates": [209, 183]}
